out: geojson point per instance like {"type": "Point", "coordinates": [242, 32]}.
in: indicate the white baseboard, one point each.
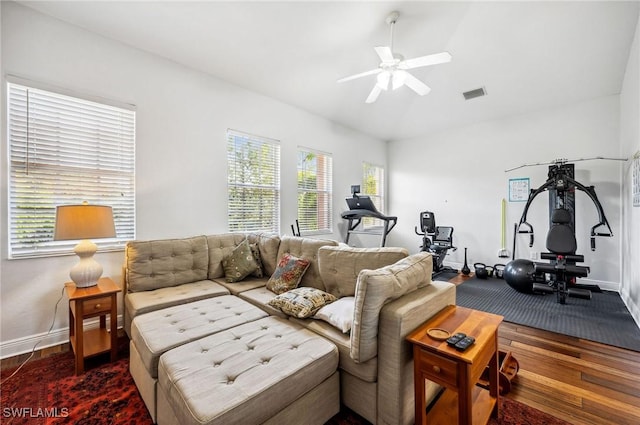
{"type": "Point", "coordinates": [634, 309]}
{"type": "Point", "coordinates": [604, 285]}
{"type": "Point", "coordinates": [25, 345]}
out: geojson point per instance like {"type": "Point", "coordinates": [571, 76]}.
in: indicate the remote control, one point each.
{"type": "Point", "coordinates": [455, 338]}
{"type": "Point", "coordinates": [464, 343]}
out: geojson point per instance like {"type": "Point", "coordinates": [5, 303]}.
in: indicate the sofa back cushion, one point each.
{"type": "Point", "coordinates": [340, 265]}
{"type": "Point", "coordinates": [164, 263]}
{"type": "Point", "coordinates": [221, 246]}
{"type": "Point", "coordinates": [306, 248]}
{"type": "Point", "coordinates": [374, 288]}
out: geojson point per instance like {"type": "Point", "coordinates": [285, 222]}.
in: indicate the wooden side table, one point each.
{"type": "Point", "coordinates": [85, 303]}
{"type": "Point", "coordinates": [458, 372]}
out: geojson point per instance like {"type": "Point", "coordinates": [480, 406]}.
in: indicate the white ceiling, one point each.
{"type": "Point", "coordinates": [528, 55]}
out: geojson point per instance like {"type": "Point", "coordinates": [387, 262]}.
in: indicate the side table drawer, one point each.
{"type": "Point", "coordinates": [97, 305]}
{"type": "Point", "coordinates": [438, 369]}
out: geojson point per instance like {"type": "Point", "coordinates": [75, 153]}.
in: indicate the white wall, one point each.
{"type": "Point", "coordinates": [630, 146]}
{"type": "Point", "coordinates": [459, 174]}
{"type": "Point", "coordinates": [182, 116]}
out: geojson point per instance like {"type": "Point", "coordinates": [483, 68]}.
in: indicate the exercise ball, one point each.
{"type": "Point", "coordinates": [519, 275]}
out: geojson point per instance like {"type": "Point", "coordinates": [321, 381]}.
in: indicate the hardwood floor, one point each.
{"type": "Point", "coordinates": [582, 382]}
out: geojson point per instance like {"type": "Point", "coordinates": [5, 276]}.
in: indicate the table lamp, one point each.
{"type": "Point", "coordinates": [84, 222]}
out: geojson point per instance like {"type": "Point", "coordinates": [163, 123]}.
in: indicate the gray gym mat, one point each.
{"type": "Point", "coordinates": [603, 319]}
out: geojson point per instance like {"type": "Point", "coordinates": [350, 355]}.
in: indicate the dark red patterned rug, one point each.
{"type": "Point", "coordinates": [46, 392]}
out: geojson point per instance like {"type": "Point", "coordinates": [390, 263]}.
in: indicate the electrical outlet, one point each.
{"type": "Point", "coordinates": [533, 255]}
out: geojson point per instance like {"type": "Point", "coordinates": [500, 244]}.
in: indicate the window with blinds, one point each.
{"type": "Point", "coordinates": [373, 186]}
{"type": "Point", "coordinates": [315, 173]}
{"type": "Point", "coordinates": [253, 183]}
{"type": "Point", "coordinates": [65, 150]}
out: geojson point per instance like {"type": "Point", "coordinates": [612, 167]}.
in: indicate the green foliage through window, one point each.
{"type": "Point", "coordinates": [253, 183]}
{"type": "Point", "coordinates": [373, 186]}
{"type": "Point", "coordinates": [315, 210]}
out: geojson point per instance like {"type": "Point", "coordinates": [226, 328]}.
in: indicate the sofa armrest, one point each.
{"type": "Point", "coordinates": [395, 355]}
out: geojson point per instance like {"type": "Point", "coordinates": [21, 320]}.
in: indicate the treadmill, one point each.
{"type": "Point", "coordinates": [361, 207]}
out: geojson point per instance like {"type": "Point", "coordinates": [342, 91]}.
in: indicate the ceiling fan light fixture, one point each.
{"type": "Point", "coordinates": [392, 71]}
{"type": "Point", "coordinates": [384, 78]}
{"type": "Point", "coordinates": [398, 79]}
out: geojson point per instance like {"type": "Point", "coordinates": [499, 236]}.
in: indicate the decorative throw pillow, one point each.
{"type": "Point", "coordinates": [240, 263]}
{"type": "Point", "coordinates": [338, 314]}
{"type": "Point", "coordinates": [256, 256]}
{"type": "Point", "coordinates": [302, 302]}
{"type": "Point", "coordinates": [288, 274]}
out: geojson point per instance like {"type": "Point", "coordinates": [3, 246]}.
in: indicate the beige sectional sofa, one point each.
{"type": "Point", "coordinates": [181, 313]}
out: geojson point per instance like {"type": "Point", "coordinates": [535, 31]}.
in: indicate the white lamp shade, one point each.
{"type": "Point", "coordinates": [84, 222]}
{"type": "Point", "coordinates": [77, 222]}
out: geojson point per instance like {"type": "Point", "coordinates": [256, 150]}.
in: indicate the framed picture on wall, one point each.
{"type": "Point", "coordinates": [519, 189]}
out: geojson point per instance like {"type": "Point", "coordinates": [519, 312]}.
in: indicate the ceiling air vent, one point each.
{"type": "Point", "coordinates": [474, 93]}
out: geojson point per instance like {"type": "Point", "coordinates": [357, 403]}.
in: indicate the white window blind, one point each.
{"type": "Point", "coordinates": [253, 183]}
{"type": "Point", "coordinates": [373, 186]}
{"type": "Point", "coordinates": [64, 150]}
{"type": "Point", "coordinates": [315, 209]}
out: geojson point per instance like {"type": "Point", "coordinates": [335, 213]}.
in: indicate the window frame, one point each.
{"type": "Point", "coordinates": [238, 225]}
{"type": "Point", "coordinates": [65, 144]}
{"type": "Point", "coordinates": [327, 192]}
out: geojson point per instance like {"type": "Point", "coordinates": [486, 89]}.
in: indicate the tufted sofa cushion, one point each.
{"type": "Point", "coordinates": [221, 245]}
{"type": "Point", "coordinates": [306, 248]}
{"type": "Point", "coordinates": [157, 332]}
{"type": "Point", "coordinates": [136, 303]}
{"type": "Point", "coordinates": [340, 265]}
{"type": "Point", "coordinates": [254, 370]}
{"type": "Point", "coordinates": [377, 287]}
{"type": "Point", "coordinates": [164, 263]}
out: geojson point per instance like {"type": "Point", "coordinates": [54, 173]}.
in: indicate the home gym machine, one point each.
{"type": "Point", "coordinates": [361, 206]}
{"type": "Point", "coordinates": [527, 276]}
{"type": "Point", "coordinates": [437, 240]}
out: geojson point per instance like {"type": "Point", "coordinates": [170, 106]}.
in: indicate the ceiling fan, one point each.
{"type": "Point", "coordinates": [392, 71]}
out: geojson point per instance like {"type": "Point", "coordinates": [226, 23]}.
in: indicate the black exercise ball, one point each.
{"type": "Point", "coordinates": [519, 275]}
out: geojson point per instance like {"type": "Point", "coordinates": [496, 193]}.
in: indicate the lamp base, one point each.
{"type": "Point", "coordinates": [87, 272]}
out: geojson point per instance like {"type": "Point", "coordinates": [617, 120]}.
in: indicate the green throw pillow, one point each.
{"type": "Point", "coordinates": [302, 302]}
{"type": "Point", "coordinates": [240, 263]}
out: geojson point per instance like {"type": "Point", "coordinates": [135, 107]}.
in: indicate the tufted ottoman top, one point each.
{"type": "Point", "coordinates": [159, 331]}
{"type": "Point", "coordinates": [246, 374]}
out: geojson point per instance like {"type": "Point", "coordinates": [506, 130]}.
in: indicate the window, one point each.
{"type": "Point", "coordinates": [65, 150]}
{"type": "Point", "coordinates": [253, 183]}
{"type": "Point", "coordinates": [315, 210]}
{"type": "Point", "coordinates": [373, 186]}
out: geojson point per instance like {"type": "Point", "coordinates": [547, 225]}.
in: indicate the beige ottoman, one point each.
{"type": "Point", "coordinates": [268, 371]}
{"type": "Point", "coordinates": [154, 333]}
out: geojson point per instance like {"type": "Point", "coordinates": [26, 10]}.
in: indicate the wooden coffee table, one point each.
{"type": "Point", "coordinates": [458, 372]}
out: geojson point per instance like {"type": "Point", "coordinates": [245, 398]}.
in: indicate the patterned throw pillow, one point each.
{"type": "Point", "coordinates": [288, 274]}
{"type": "Point", "coordinates": [240, 263]}
{"type": "Point", "coordinates": [256, 256]}
{"type": "Point", "coordinates": [302, 302]}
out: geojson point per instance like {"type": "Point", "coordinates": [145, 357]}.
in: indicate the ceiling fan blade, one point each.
{"type": "Point", "coordinates": [434, 59]}
{"type": "Point", "coordinates": [416, 85]}
{"type": "Point", "coordinates": [362, 74]}
{"type": "Point", "coordinates": [375, 92]}
{"type": "Point", "coordinates": [385, 53]}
